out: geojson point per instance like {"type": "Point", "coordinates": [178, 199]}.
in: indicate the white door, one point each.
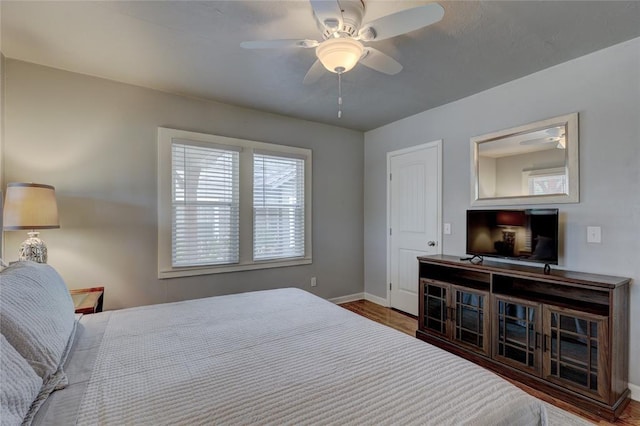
{"type": "Point", "coordinates": [414, 219]}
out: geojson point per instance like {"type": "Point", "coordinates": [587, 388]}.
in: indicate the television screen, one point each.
{"type": "Point", "coordinates": [530, 235]}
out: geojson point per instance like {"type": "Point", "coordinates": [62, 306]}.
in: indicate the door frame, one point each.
{"type": "Point", "coordinates": [437, 144]}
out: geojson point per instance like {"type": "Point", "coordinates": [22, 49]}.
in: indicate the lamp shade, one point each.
{"type": "Point", "coordinates": [339, 54]}
{"type": "Point", "coordinates": [30, 206]}
{"type": "Point", "coordinates": [510, 218]}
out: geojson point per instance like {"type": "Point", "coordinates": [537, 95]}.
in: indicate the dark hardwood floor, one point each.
{"type": "Point", "coordinates": [408, 324]}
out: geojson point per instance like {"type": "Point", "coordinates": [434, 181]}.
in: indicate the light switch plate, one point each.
{"type": "Point", "coordinates": [447, 229]}
{"type": "Point", "coordinates": [594, 234]}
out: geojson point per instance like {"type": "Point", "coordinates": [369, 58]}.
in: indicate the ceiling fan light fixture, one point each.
{"type": "Point", "coordinates": [339, 55]}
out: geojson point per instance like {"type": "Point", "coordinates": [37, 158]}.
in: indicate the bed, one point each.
{"type": "Point", "coordinates": [270, 357]}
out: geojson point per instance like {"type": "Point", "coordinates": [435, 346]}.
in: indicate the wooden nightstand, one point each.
{"type": "Point", "coordinates": [87, 300]}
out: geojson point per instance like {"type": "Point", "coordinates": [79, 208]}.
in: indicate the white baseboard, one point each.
{"type": "Point", "coordinates": [348, 298]}
{"type": "Point", "coordinates": [635, 392]}
{"type": "Point", "coordinates": [375, 299]}
{"type": "Point", "coordinates": [360, 296]}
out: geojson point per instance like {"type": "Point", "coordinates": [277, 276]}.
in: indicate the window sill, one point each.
{"type": "Point", "coordinates": [207, 270]}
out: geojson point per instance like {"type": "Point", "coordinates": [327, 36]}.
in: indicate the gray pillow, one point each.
{"type": "Point", "coordinates": [20, 385]}
{"type": "Point", "coordinates": [37, 318]}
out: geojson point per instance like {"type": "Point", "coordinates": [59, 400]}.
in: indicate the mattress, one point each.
{"type": "Point", "coordinates": [271, 357]}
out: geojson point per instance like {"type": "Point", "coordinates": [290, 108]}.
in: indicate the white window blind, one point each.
{"type": "Point", "coordinates": [278, 207]}
{"type": "Point", "coordinates": [547, 181]}
{"type": "Point", "coordinates": [205, 205]}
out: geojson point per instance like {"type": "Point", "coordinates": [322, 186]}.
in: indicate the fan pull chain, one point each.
{"type": "Point", "coordinates": [339, 95]}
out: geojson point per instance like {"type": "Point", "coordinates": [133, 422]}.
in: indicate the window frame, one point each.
{"type": "Point", "coordinates": [233, 203]}
{"type": "Point", "coordinates": [254, 209]}
{"type": "Point", "coordinates": [246, 149]}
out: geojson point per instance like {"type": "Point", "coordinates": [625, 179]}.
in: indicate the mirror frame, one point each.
{"type": "Point", "coordinates": [570, 121]}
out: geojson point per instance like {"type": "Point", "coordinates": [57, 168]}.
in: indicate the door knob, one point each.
{"type": "Point", "coordinates": [432, 243]}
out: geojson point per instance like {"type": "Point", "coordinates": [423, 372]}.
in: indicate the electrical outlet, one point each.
{"type": "Point", "coordinates": [594, 234]}
{"type": "Point", "coordinates": [313, 282]}
{"type": "Point", "coordinates": [447, 229]}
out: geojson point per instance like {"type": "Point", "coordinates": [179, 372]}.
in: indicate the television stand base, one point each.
{"type": "Point", "coordinates": [509, 301]}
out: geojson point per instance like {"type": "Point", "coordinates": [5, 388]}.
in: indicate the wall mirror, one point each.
{"type": "Point", "coordinates": [532, 164]}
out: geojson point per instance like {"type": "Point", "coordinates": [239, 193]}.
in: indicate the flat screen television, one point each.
{"type": "Point", "coordinates": [529, 235]}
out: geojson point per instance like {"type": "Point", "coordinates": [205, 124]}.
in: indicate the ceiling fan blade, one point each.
{"type": "Point", "coordinates": [329, 13]}
{"type": "Point", "coordinates": [402, 22]}
{"type": "Point", "coordinates": [316, 71]}
{"type": "Point", "coordinates": [381, 62]}
{"type": "Point", "coordinates": [278, 44]}
{"type": "Point", "coordinates": [539, 141]}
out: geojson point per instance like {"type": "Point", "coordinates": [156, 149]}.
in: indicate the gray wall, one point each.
{"type": "Point", "coordinates": [95, 141]}
{"type": "Point", "coordinates": [604, 87]}
{"type": "Point", "coordinates": [1, 147]}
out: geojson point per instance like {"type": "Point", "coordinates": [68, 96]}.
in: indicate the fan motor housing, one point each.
{"type": "Point", "coordinates": [352, 15]}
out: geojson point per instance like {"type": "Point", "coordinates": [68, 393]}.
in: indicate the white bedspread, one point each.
{"type": "Point", "coordinates": [284, 357]}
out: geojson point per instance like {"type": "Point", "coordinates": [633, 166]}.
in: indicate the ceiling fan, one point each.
{"type": "Point", "coordinates": [343, 33]}
{"type": "Point", "coordinates": [553, 135]}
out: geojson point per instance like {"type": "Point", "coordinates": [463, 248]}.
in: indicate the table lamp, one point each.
{"type": "Point", "coordinates": [508, 219]}
{"type": "Point", "coordinates": [31, 206]}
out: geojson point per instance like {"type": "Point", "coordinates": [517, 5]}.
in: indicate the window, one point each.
{"type": "Point", "coordinates": [205, 205]}
{"type": "Point", "coordinates": [545, 181]}
{"type": "Point", "coordinates": [278, 207]}
{"type": "Point", "coordinates": [228, 204]}
{"type": "Point", "coordinates": [549, 184]}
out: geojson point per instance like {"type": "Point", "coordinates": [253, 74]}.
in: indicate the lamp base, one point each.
{"type": "Point", "coordinates": [509, 239]}
{"type": "Point", "coordinates": [33, 248]}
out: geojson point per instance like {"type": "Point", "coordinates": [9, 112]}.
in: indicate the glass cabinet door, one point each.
{"type": "Point", "coordinates": [575, 351]}
{"type": "Point", "coordinates": [517, 336]}
{"type": "Point", "coordinates": [471, 319]}
{"type": "Point", "coordinates": [435, 307]}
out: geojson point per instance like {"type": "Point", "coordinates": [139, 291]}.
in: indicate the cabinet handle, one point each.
{"type": "Point", "coordinates": [547, 343]}
{"type": "Point", "coordinates": [538, 340]}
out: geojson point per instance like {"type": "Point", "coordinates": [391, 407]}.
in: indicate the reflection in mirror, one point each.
{"type": "Point", "coordinates": [528, 164]}
{"type": "Point", "coordinates": [531, 164]}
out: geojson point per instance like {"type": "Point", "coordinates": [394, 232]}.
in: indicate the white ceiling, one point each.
{"type": "Point", "coordinates": [193, 48]}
